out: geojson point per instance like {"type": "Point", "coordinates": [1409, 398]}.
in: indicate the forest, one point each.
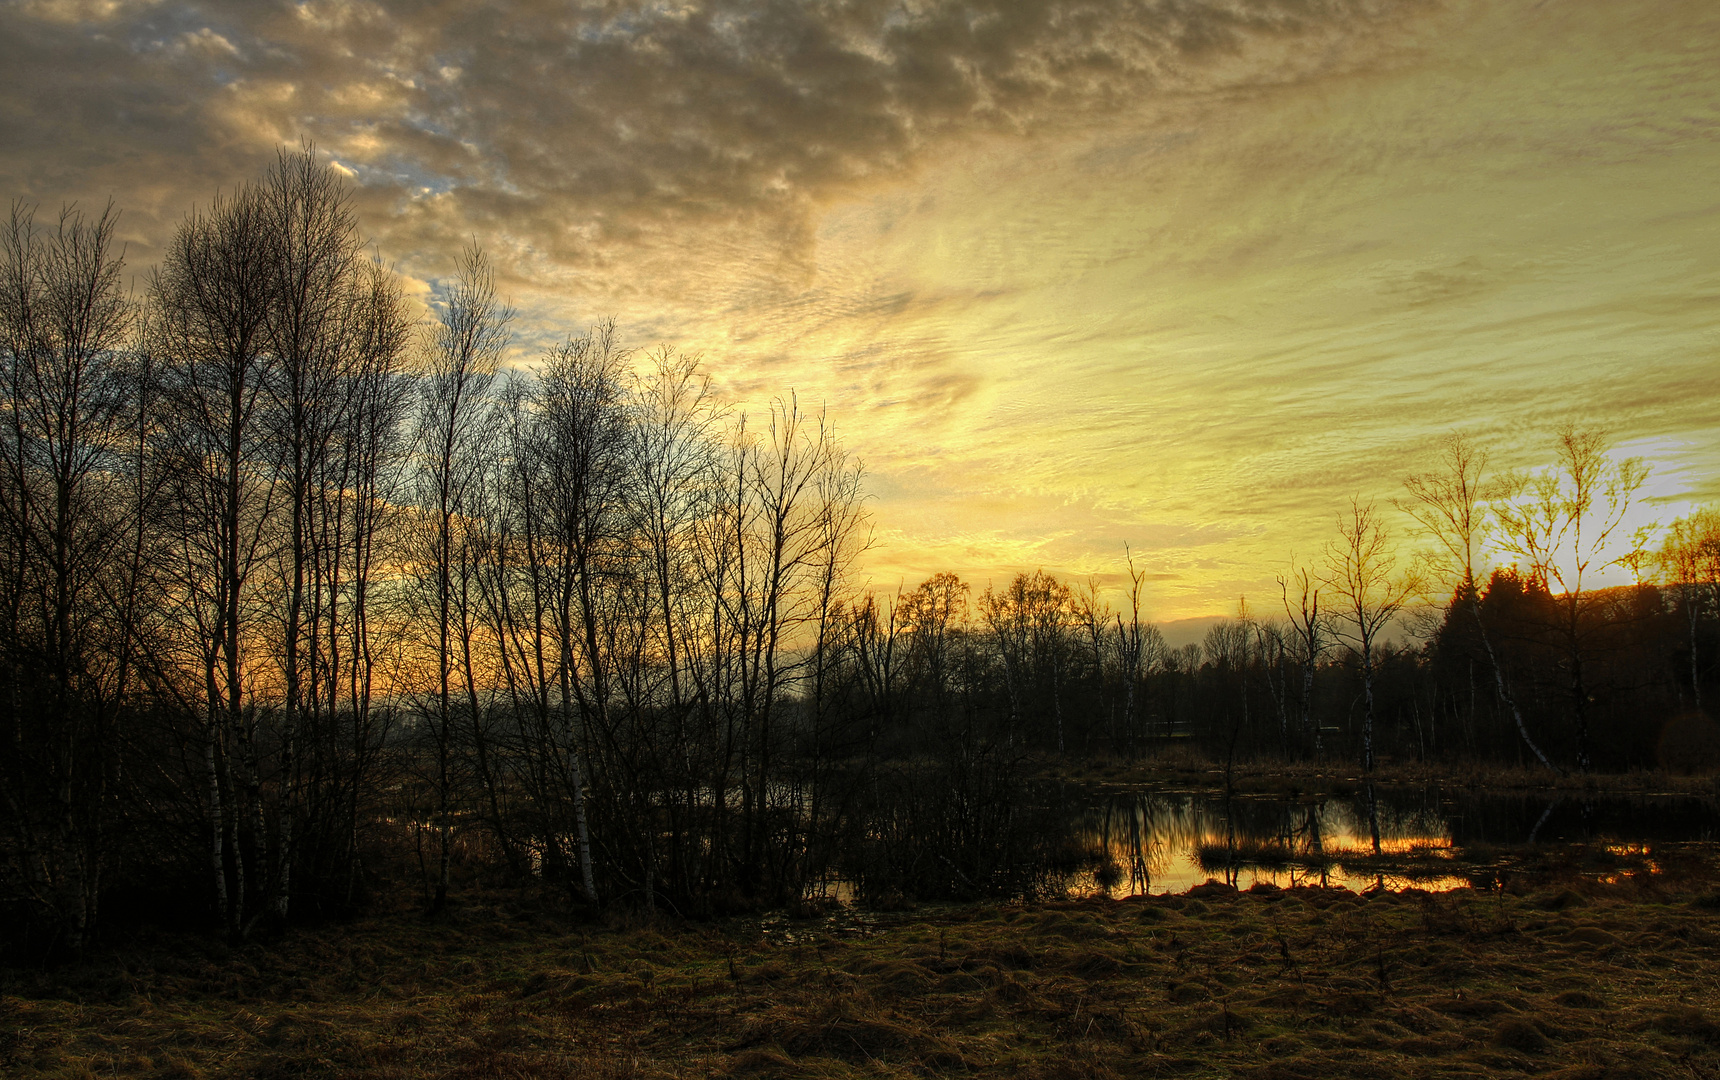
{"type": "Point", "coordinates": [301, 594]}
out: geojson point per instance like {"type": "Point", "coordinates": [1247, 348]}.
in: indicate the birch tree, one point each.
{"type": "Point", "coordinates": [67, 383]}
{"type": "Point", "coordinates": [1450, 503]}
{"type": "Point", "coordinates": [1690, 561]}
{"type": "Point", "coordinates": [454, 430]}
{"type": "Point", "coordinates": [1562, 523]}
{"type": "Point", "coordinates": [1362, 576]}
{"type": "Point", "coordinates": [209, 309]}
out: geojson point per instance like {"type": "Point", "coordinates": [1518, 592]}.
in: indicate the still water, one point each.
{"type": "Point", "coordinates": [1428, 838]}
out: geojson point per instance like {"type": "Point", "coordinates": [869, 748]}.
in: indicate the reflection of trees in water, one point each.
{"type": "Point", "coordinates": [1519, 817]}
{"type": "Point", "coordinates": [947, 836]}
{"type": "Point", "coordinates": [1141, 833]}
{"type": "Point", "coordinates": [959, 829]}
{"type": "Point", "coordinates": [1148, 833]}
{"type": "Point", "coordinates": [1145, 840]}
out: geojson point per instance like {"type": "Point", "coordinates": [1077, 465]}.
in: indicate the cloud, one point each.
{"type": "Point", "coordinates": [583, 131]}
{"type": "Point", "coordinates": [1182, 273]}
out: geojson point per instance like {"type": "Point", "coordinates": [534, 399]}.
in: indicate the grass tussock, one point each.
{"type": "Point", "coordinates": [1572, 977]}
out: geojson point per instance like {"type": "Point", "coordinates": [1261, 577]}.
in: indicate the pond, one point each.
{"type": "Point", "coordinates": [1400, 836]}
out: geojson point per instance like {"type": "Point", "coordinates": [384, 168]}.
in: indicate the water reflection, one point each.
{"type": "Point", "coordinates": [1399, 837]}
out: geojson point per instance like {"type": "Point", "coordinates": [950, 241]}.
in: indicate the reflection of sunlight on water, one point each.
{"type": "Point", "coordinates": [1184, 872]}
{"type": "Point", "coordinates": [1163, 843]}
{"type": "Point", "coordinates": [1104, 841]}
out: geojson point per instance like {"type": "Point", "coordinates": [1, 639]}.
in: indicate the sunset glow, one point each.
{"type": "Point", "coordinates": [1182, 277]}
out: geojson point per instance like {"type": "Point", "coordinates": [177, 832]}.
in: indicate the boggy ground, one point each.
{"type": "Point", "coordinates": [1570, 979]}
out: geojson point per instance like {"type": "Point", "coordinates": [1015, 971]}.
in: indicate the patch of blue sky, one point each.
{"type": "Point", "coordinates": [629, 25]}
{"type": "Point", "coordinates": [489, 161]}
{"type": "Point", "coordinates": [433, 123]}
{"type": "Point", "coordinates": [395, 170]}
{"type": "Point", "coordinates": [161, 28]}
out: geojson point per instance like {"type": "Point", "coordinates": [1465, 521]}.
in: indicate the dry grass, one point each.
{"type": "Point", "coordinates": [1572, 978]}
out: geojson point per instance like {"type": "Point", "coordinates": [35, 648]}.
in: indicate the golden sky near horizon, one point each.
{"type": "Point", "coordinates": [1181, 274]}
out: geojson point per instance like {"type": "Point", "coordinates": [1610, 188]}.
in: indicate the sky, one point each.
{"type": "Point", "coordinates": [1184, 276]}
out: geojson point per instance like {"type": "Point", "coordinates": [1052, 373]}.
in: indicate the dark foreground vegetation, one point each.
{"type": "Point", "coordinates": [1583, 965]}
{"type": "Point", "coordinates": [290, 577]}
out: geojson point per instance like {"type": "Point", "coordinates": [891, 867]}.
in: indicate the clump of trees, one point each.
{"type": "Point", "coordinates": [1469, 628]}
{"type": "Point", "coordinates": [285, 574]}
{"type": "Point", "coordinates": [292, 582]}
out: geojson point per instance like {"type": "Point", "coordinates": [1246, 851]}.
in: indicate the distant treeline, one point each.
{"type": "Point", "coordinates": [294, 590]}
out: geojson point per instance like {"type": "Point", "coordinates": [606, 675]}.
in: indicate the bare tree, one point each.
{"type": "Point", "coordinates": [1272, 648]}
{"type": "Point", "coordinates": [934, 614]}
{"type": "Point", "coordinates": [1227, 650]}
{"type": "Point", "coordinates": [1361, 573]}
{"type": "Point", "coordinates": [874, 635]}
{"type": "Point", "coordinates": [210, 304]}
{"type": "Point", "coordinates": [675, 463]}
{"type": "Point", "coordinates": [332, 323]}
{"type": "Point", "coordinates": [1450, 504]}
{"type": "Point", "coordinates": [1092, 615]}
{"type": "Point", "coordinates": [1562, 523]}
{"type": "Point", "coordinates": [365, 483]}
{"type": "Point", "coordinates": [65, 385]}
{"type": "Point", "coordinates": [1312, 630]}
{"type": "Point", "coordinates": [519, 593]}
{"type": "Point", "coordinates": [786, 524]}
{"type": "Point", "coordinates": [582, 451]}
{"type": "Point", "coordinates": [1690, 561]}
{"type": "Point", "coordinates": [1138, 646]}
{"type": "Point", "coordinates": [590, 589]}
{"type": "Point", "coordinates": [1028, 622]}
{"type": "Point", "coordinates": [453, 432]}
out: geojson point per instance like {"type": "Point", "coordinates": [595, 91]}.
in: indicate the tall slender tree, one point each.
{"type": "Point", "coordinates": [454, 430]}
{"type": "Point", "coordinates": [1563, 523]}
{"type": "Point", "coordinates": [1362, 575]}
{"type": "Point", "coordinates": [66, 521]}
{"type": "Point", "coordinates": [1450, 503]}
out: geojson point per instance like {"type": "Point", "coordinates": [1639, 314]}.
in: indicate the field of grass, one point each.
{"type": "Point", "coordinates": [1569, 978]}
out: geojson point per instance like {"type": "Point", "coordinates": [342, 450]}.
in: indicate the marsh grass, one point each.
{"type": "Point", "coordinates": [1559, 973]}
